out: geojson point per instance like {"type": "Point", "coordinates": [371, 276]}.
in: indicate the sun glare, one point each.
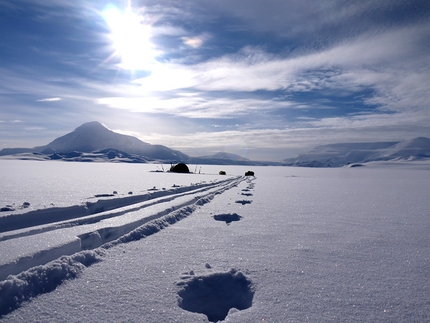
{"type": "Point", "coordinates": [130, 37]}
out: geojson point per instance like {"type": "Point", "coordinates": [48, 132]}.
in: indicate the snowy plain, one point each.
{"type": "Point", "coordinates": [105, 242]}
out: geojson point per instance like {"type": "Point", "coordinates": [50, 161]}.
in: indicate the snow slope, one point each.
{"type": "Point", "coordinates": [289, 245]}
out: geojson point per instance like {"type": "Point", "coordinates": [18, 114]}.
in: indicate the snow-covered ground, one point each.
{"type": "Point", "coordinates": [288, 245]}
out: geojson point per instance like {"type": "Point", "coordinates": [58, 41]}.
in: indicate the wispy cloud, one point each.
{"type": "Point", "coordinates": [260, 67]}
{"type": "Point", "coordinates": [196, 41]}
{"type": "Point", "coordinates": [49, 100]}
{"type": "Point", "coordinates": [365, 63]}
{"type": "Point", "coordinates": [194, 107]}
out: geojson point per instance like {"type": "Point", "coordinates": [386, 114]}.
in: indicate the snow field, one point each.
{"type": "Point", "coordinates": [309, 245]}
{"type": "Point", "coordinates": [224, 280]}
{"type": "Point", "coordinates": [57, 184]}
{"type": "Point", "coordinates": [25, 249]}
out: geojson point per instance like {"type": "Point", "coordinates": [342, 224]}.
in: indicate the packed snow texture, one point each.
{"type": "Point", "coordinates": [300, 244]}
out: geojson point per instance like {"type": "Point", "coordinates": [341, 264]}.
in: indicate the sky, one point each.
{"type": "Point", "coordinates": [263, 79]}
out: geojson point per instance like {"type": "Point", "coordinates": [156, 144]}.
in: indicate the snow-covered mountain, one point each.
{"type": "Point", "coordinates": [93, 140]}
{"type": "Point", "coordinates": [337, 155]}
{"type": "Point", "coordinates": [93, 136]}
{"type": "Point", "coordinates": [409, 149]}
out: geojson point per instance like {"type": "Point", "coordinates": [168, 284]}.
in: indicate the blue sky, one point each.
{"type": "Point", "coordinates": [263, 79]}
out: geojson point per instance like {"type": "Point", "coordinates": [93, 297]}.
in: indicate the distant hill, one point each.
{"type": "Point", "coordinates": [222, 158]}
{"type": "Point", "coordinates": [93, 137]}
{"type": "Point", "coordinates": [337, 155]}
{"type": "Point", "coordinates": [408, 149]}
{"type": "Point", "coordinates": [228, 156]}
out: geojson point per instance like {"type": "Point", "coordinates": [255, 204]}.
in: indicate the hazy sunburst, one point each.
{"type": "Point", "coordinates": [131, 37]}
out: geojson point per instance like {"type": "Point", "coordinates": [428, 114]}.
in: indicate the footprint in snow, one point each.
{"type": "Point", "coordinates": [228, 218]}
{"type": "Point", "coordinates": [243, 202]}
{"type": "Point", "coordinates": [216, 295]}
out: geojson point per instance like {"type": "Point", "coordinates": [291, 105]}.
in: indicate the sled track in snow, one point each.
{"type": "Point", "coordinates": [87, 234]}
{"type": "Point", "coordinates": [102, 221]}
{"type": "Point", "coordinates": [85, 213]}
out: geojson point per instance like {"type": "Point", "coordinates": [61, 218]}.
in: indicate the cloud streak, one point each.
{"type": "Point", "coordinates": [49, 100]}
{"type": "Point", "coordinates": [365, 63]}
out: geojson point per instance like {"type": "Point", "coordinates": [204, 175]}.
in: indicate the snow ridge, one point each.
{"type": "Point", "coordinates": [42, 271]}
{"type": "Point", "coordinates": [43, 279]}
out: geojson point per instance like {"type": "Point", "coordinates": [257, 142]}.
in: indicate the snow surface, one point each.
{"type": "Point", "coordinates": [288, 245]}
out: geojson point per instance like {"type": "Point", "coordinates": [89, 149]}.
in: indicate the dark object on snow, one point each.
{"type": "Point", "coordinates": [249, 173]}
{"type": "Point", "coordinates": [179, 168]}
{"type": "Point", "coordinates": [228, 218]}
{"type": "Point", "coordinates": [221, 172]}
{"type": "Point", "coordinates": [7, 208]}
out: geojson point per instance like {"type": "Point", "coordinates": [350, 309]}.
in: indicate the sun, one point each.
{"type": "Point", "coordinates": [131, 38]}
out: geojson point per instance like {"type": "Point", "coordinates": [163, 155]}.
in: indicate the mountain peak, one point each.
{"type": "Point", "coordinates": [93, 126]}
{"type": "Point", "coordinates": [93, 136]}
{"type": "Point", "coordinates": [88, 137]}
